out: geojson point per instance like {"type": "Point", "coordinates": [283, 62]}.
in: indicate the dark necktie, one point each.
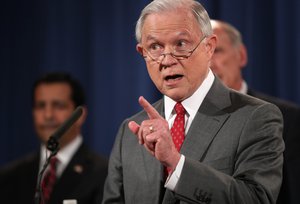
{"type": "Point", "coordinates": [49, 180]}
{"type": "Point", "coordinates": [177, 130]}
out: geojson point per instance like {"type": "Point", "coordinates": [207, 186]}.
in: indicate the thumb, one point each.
{"type": "Point", "coordinates": [134, 127]}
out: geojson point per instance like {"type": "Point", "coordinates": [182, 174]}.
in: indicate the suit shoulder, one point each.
{"type": "Point", "coordinates": [286, 107]}
{"type": "Point", "coordinates": [240, 98]}
{"type": "Point", "coordinates": [92, 158]}
{"type": "Point", "coordinates": [245, 105]}
{"type": "Point", "coordinates": [22, 170]}
{"type": "Point", "coordinates": [21, 163]}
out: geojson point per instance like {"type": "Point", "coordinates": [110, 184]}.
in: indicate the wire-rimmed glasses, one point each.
{"type": "Point", "coordinates": [157, 55]}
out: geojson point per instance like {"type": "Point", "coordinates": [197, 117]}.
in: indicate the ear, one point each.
{"type": "Point", "coordinates": [211, 43]}
{"type": "Point", "coordinates": [139, 49]}
{"type": "Point", "coordinates": [243, 55]}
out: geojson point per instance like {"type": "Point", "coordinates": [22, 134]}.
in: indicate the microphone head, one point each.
{"type": "Point", "coordinates": [52, 143]}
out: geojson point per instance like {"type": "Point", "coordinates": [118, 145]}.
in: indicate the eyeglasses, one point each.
{"type": "Point", "coordinates": [156, 53]}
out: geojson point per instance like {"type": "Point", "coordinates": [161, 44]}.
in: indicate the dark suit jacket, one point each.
{"type": "Point", "coordinates": [233, 153]}
{"type": "Point", "coordinates": [18, 180]}
{"type": "Point", "coordinates": [289, 193]}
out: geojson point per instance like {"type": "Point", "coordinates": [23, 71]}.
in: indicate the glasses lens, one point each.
{"type": "Point", "coordinates": [156, 54]}
{"type": "Point", "coordinates": [178, 53]}
{"type": "Point", "coordinates": [183, 54]}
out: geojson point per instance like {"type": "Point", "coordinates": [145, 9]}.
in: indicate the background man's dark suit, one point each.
{"type": "Point", "coordinates": [228, 63]}
{"type": "Point", "coordinates": [291, 134]}
{"type": "Point", "coordinates": [80, 173]}
{"type": "Point", "coordinates": [82, 179]}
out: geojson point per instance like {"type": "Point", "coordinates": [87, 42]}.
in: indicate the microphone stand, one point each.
{"type": "Point", "coordinates": [53, 146]}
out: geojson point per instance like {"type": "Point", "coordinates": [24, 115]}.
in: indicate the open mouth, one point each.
{"type": "Point", "coordinates": [173, 77]}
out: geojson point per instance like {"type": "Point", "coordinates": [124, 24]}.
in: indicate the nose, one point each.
{"type": "Point", "coordinates": [48, 114]}
{"type": "Point", "coordinates": [167, 60]}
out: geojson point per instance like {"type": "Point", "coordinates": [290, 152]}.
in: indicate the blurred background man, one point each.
{"type": "Point", "coordinates": [228, 61]}
{"type": "Point", "coordinates": [75, 172]}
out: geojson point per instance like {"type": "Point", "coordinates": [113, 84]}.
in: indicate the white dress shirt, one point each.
{"type": "Point", "coordinates": [191, 105]}
{"type": "Point", "coordinates": [64, 155]}
{"type": "Point", "coordinates": [244, 88]}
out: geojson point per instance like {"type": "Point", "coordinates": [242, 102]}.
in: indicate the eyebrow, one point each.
{"type": "Point", "coordinates": [177, 34]}
{"type": "Point", "coordinates": [150, 37]}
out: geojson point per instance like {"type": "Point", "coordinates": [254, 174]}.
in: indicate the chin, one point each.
{"type": "Point", "coordinates": [44, 137]}
{"type": "Point", "coordinates": [176, 96]}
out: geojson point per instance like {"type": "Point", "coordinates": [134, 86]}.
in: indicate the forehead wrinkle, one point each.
{"type": "Point", "coordinates": [156, 27]}
{"type": "Point", "coordinates": [170, 27]}
{"type": "Point", "coordinates": [177, 34]}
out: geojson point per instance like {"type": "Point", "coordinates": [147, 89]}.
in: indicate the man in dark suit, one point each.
{"type": "Point", "coordinates": [80, 173]}
{"type": "Point", "coordinates": [228, 61]}
{"type": "Point", "coordinates": [232, 143]}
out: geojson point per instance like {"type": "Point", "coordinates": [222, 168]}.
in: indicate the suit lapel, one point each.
{"type": "Point", "coordinates": [205, 126]}
{"type": "Point", "coordinates": [75, 171]}
{"type": "Point", "coordinates": [30, 175]}
{"type": "Point", "coordinates": [201, 135]}
{"type": "Point", "coordinates": [207, 122]}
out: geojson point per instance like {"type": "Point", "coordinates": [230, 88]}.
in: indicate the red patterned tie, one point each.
{"type": "Point", "coordinates": [177, 130]}
{"type": "Point", "coordinates": [49, 181]}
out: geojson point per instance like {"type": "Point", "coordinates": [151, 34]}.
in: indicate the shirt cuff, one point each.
{"type": "Point", "coordinates": [173, 178]}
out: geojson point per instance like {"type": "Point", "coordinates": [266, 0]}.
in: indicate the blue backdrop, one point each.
{"type": "Point", "coordinates": [94, 41]}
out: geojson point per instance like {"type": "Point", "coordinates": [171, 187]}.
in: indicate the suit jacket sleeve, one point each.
{"type": "Point", "coordinates": [256, 166]}
{"type": "Point", "coordinates": [113, 187]}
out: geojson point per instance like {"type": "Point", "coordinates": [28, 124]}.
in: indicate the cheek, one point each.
{"type": "Point", "coordinates": [229, 58]}
{"type": "Point", "coordinates": [197, 68]}
{"type": "Point", "coordinates": [221, 62]}
{"type": "Point", "coordinates": [37, 119]}
{"type": "Point", "coordinates": [194, 78]}
{"type": "Point", "coordinates": [154, 74]}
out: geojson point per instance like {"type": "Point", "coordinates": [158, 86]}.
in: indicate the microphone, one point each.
{"type": "Point", "coordinates": [52, 143]}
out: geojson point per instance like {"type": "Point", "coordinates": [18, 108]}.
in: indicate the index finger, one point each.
{"type": "Point", "coordinates": [152, 113]}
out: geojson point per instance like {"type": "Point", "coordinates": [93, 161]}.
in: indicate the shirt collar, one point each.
{"type": "Point", "coordinates": [192, 103]}
{"type": "Point", "coordinates": [65, 154]}
{"type": "Point", "coordinates": [244, 88]}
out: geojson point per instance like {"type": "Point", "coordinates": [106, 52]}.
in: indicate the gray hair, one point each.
{"type": "Point", "coordinates": [157, 6]}
{"type": "Point", "coordinates": [234, 35]}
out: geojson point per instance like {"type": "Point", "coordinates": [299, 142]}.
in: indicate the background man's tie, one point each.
{"type": "Point", "coordinates": [49, 180]}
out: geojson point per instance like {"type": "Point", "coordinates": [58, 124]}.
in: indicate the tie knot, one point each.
{"type": "Point", "coordinates": [179, 109]}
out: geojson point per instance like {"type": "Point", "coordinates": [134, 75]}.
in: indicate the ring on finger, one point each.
{"type": "Point", "coordinates": [151, 129]}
